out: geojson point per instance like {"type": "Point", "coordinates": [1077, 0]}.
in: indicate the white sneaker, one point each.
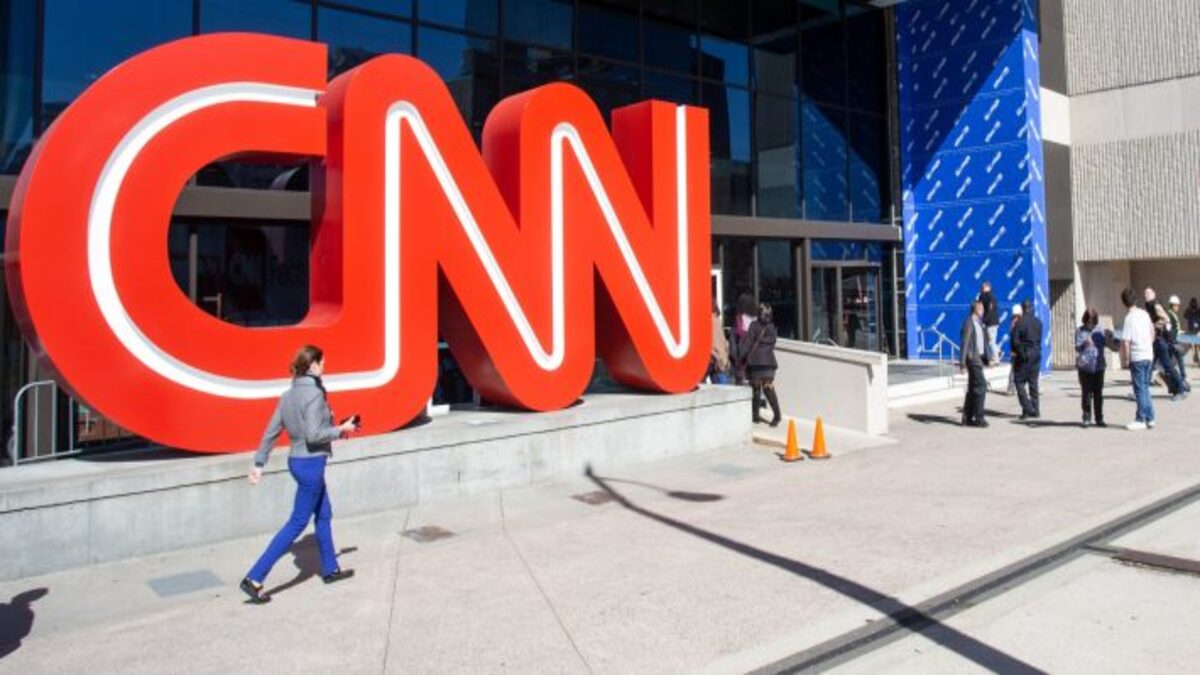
{"type": "Point", "coordinates": [1136, 426]}
{"type": "Point", "coordinates": [1150, 424]}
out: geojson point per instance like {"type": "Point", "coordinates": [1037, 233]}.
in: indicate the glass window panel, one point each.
{"type": "Point", "coordinates": [18, 52]}
{"type": "Point", "coordinates": [526, 67]}
{"type": "Point", "coordinates": [724, 60]}
{"type": "Point", "coordinates": [607, 31]}
{"type": "Point", "coordinates": [823, 159]}
{"type": "Point", "coordinates": [772, 18]}
{"type": "Point", "coordinates": [727, 18]}
{"type": "Point", "coordinates": [290, 18]}
{"type": "Point", "coordinates": [479, 16]}
{"type": "Point", "coordinates": [610, 85]}
{"type": "Point", "coordinates": [544, 22]}
{"type": "Point", "coordinates": [869, 175]}
{"type": "Point", "coordinates": [669, 45]}
{"type": "Point", "coordinates": [677, 11]}
{"type": "Point", "coordinates": [665, 87]}
{"type": "Point", "coordinates": [470, 67]}
{"type": "Point", "coordinates": [867, 61]}
{"type": "Point", "coordinates": [83, 40]}
{"type": "Point", "coordinates": [355, 38]}
{"type": "Point", "coordinates": [250, 273]}
{"type": "Point", "coordinates": [818, 9]}
{"type": "Point", "coordinates": [400, 7]}
{"type": "Point", "coordinates": [822, 61]}
{"type": "Point", "coordinates": [729, 131]}
{"type": "Point", "coordinates": [777, 151]}
{"type": "Point", "coordinates": [737, 275]}
{"type": "Point", "coordinates": [775, 65]}
{"type": "Point", "coordinates": [777, 284]}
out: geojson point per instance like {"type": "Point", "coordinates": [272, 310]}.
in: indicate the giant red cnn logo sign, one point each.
{"type": "Point", "coordinates": [559, 241]}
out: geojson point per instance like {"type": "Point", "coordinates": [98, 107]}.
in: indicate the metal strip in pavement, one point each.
{"type": "Point", "coordinates": [847, 646]}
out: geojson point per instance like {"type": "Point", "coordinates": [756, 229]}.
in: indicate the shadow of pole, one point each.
{"type": "Point", "coordinates": [903, 615]}
{"type": "Point", "coordinates": [16, 619]}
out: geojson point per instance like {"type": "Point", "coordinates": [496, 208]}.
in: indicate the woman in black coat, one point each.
{"type": "Point", "coordinates": [758, 351]}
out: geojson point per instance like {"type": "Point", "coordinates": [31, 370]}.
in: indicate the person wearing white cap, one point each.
{"type": "Point", "coordinates": [1016, 317]}
{"type": "Point", "coordinates": [1177, 350]}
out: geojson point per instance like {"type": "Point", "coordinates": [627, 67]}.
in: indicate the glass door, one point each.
{"type": "Point", "coordinates": [860, 308]}
{"type": "Point", "coordinates": [826, 315]}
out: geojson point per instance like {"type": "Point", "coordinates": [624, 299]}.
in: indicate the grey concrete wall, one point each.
{"type": "Point", "coordinates": [844, 387]}
{"type": "Point", "coordinates": [1062, 324]}
{"type": "Point", "coordinates": [1059, 219]}
{"type": "Point", "coordinates": [1136, 199]}
{"type": "Point", "coordinates": [1119, 43]}
{"type": "Point", "coordinates": [67, 514]}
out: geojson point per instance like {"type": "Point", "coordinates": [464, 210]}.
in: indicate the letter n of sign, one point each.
{"type": "Point", "coordinates": [560, 241]}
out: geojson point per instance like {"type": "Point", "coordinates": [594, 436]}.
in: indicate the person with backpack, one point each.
{"type": "Point", "coordinates": [1090, 342]}
{"type": "Point", "coordinates": [1177, 350]}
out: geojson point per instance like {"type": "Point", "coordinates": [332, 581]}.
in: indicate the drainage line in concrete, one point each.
{"type": "Point", "coordinates": [855, 643]}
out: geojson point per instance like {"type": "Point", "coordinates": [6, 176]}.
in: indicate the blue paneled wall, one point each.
{"type": "Point", "coordinates": [971, 163]}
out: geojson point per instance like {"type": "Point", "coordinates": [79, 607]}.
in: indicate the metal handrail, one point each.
{"type": "Point", "coordinates": [15, 446]}
{"type": "Point", "coordinates": [940, 346]}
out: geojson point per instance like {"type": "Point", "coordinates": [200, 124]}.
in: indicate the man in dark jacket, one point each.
{"type": "Point", "coordinates": [1027, 361]}
{"type": "Point", "coordinates": [991, 322]}
{"type": "Point", "coordinates": [974, 351]}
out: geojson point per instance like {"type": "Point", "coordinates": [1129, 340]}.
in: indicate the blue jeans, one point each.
{"type": "Point", "coordinates": [311, 500]}
{"type": "Point", "coordinates": [1140, 370]}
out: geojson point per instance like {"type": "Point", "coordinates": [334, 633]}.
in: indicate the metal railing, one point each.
{"type": "Point", "coordinates": [16, 445]}
{"type": "Point", "coordinates": [940, 347]}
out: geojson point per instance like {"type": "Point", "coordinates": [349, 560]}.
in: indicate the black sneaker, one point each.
{"type": "Point", "coordinates": [337, 575]}
{"type": "Point", "coordinates": [1100, 424]}
{"type": "Point", "coordinates": [255, 591]}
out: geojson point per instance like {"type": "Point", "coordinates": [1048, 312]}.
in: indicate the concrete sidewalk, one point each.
{"type": "Point", "coordinates": [723, 562]}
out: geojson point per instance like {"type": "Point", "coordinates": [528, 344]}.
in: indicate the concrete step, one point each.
{"type": "Point", "coordinates": [937, 389]}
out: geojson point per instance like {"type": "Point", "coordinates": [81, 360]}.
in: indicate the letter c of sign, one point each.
{"type": "Point", "coordinates": [559, 242]}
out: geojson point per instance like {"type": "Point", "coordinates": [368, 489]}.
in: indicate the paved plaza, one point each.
{"type": "Point", "coordinates": [936, 549]}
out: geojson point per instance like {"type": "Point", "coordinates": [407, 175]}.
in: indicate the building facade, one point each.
{"type": "Point", "coordinates": [801, 109]}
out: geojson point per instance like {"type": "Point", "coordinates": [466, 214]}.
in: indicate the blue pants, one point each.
{"type": "Point", "coordinates": [1164, 360]}
{"type": "Point", "coordinates": [312, 500]}
{"type": "Point", "coordinates": [1140, 370]}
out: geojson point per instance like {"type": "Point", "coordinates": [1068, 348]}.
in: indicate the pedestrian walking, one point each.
{"type": "Point", "coordinates": [974, 355]}
{"type": "Point", "coordinates": [304, 413]}
{"type": "Point", "coordinates": [1178, 350]}
{"type": "Point", "coordinates": [991, 322]}
{"type": "Point", "coordinates": [718, 360]}
{"type": "Point", "coordinates": [1161, 346]}
{"type": "Point", "coordinates": [1137, 348]}
{"type": "Point", "coordinates": [1090, 342]}
{"type": "Point", "coordinates": [1192, 318]}
{"type": "Point", "coordinates": [1027, 361]}
{"type": "Point", "coordinates": [761, 364]}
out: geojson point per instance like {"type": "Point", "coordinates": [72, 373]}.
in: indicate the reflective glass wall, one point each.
{"type": "Point", "coordinates": [796, 90]}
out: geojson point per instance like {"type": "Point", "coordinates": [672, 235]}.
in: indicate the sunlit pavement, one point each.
{"type": "Point", "coordinates": [727, 562]}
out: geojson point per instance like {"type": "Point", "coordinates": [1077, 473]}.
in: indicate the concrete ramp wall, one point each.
{"type": "Point", "coordinates": [844, 387]}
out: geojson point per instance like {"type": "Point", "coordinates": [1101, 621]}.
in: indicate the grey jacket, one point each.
{"type": "Point", "coordinates": [973, 343]}
{"type": "Point", "coordinates": [304, 413]}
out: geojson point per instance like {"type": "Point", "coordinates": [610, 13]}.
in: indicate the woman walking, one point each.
{"type": "Point", "coordinates": [1090, 342]}
{"type": "Point", "coordinates": [759, 355]}
{"type": "Point", "coordinates": [304, 413]}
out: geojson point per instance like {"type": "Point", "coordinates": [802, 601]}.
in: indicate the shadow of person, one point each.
{"type": "Point", "coordinates": [16, 619]}
{"type": "Point", "coordinates": [307, 559]}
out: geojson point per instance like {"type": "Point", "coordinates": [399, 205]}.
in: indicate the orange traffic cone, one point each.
{"type": "Point", "coordinates": [792, 453]}
{"type": "Point", "coordinates": [818, 449]}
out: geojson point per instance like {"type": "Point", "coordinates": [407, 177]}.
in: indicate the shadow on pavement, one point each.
{"type": "Point", "coordinates": [923, 418]}
{"type": "Point", "coordinates": [908, 617]}
{"type": "Point", "coordinates": [682, 495]}
{"type": "Point", "coordinates": [16, 619]}
{"type": "Point", "coordinates": [307, 559]}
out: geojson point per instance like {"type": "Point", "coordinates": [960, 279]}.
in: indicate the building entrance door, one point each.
{"type": "Point", "coordinates": [845, 306]}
